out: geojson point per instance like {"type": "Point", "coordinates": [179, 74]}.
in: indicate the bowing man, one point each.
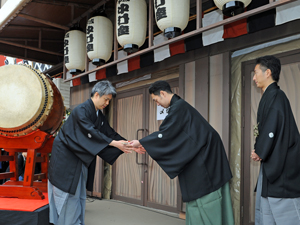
{"type": "Point", "coordinates": [188, 147]}
{"type": "Point", "coordinates": [277, 147]}
{"type": "Point", "coordinates": [84, 135]}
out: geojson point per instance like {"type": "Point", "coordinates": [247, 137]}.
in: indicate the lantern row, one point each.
{"type": "Point", "coordinates": [171, 17]}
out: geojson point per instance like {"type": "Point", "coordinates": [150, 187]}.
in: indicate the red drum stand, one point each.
{"type": "Point", "coordinates": [33, 184]}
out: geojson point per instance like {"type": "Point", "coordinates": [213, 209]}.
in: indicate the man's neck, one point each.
{"type": "Point", "coordinates": [170, 98]}
{"type": "Point", "coordinates": [93, 100]}
{"type": "Point", "coordinates": [266, 86]}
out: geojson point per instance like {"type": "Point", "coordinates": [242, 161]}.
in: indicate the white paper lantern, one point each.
{"type": "Point", "coordinates": [74, 51]}
{"type": "Point", "coordinates": [99, 38]}
{"type": "Point", "coordinates": [231, 8]}
{"type": "Point", "coordinates": [172, 16]}
{"type": "Point", "coordinates": [131, 24]}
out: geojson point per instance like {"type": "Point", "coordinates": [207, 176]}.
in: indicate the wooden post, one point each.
{"type": "Point", "coordinates": [115, 39]}
{"type": "Point", "coordinates": [150, 24]}
{"type": "Point", "coordinates": [199, 14]}
{"type": "Point", "coordinates": [29, 167]}
{"type": "Point", "coordinates": [13, 166]}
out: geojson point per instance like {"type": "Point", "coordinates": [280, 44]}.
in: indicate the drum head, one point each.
{"type": "Point", "coordinates": [22, 97]}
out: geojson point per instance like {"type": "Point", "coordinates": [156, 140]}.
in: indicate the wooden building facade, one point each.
{"type": "Point", "coordinates": [210, 66]}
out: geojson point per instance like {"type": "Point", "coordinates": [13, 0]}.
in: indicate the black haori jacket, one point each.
{"type": "Point", "coordinates": [188, 147]}
{"type": "Point", "coordinates": [278, 145]}
{"type": "Point", "coordinates": [82, 137]}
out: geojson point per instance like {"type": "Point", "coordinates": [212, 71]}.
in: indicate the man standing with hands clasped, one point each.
{"type": "Point", "coordinates": [188, 147]}
{"type": "Point", "coordinates": [277, 147]}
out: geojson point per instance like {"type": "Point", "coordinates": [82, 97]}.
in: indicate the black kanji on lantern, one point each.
{"type": "Point", "coordinates": [66, 50]}
{"type": "Point", "coordinates": [89, 47]}
{"type": "Point", "coordinates": [90, 38]}
{"type": "Point", "coordinates": [159, 3]}
{"type": "Point", "coordinates": [66, 59]}
{"type": "Point", "coordinates": [66, 43]}
{"type": "Point", "coordinates": [89, 29]}
{"type": "Point", "coordinates": [122, 30]}
{"type": "Point", "coordinates": [123, 8]}
{"type": "Point", "coordinates": [124, 19]}
{"type": "Point", "coordinates": [161, 13]}
{"type": "Point", "coordinates": [91, 21]}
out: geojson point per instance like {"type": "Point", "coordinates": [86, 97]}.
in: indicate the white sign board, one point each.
{"type": "Point", "coordinates": [161, 112]}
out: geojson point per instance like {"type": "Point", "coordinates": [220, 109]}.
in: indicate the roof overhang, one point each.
{"type": "Point", "coordinates": [10, 10]}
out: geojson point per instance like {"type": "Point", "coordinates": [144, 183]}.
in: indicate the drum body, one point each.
{"type": "Point", "coordinates": [29, 100]}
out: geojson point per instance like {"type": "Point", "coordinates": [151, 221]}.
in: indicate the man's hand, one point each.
{"type": "Point", "coordinates": [254, 156]}
{"type": "Point", "coordinates": [123, 145]}
{"type": "Point", "coordinates": [135, 143]}
{"type": "Point", "coordinates": [140, 150]}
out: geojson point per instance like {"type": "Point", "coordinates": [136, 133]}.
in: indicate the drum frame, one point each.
{"type": "Point", "coordinates": [33, 185]}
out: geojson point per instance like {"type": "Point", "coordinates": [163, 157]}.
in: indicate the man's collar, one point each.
{"type": "Point", "coordinates": [271, 86]}
{"type": "Point", "coordinates": [174, 99]}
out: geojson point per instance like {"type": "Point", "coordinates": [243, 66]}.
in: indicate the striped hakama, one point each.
{"type": "Point", "coordinates": [65, 208]}
{"type": "Point", "coordinates": [279, 211]}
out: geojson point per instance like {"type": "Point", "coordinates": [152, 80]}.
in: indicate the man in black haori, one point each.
{"type": "Point", "coordinates": [277, 147]}
{"type": "Point", "coordinates": [84, 135]}
{"type": "Point", "coordinates": [187, 146]}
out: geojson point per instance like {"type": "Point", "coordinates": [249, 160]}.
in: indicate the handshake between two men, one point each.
{"type": "Point", "coordinates": [129, 146]}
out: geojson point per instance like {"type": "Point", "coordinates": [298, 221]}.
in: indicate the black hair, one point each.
{"type": "Point", "coordinates": [272, 63]}
{"type": "Point", "coordinates": [158, 86]}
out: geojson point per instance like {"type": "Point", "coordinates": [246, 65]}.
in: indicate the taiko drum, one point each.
{"type": "Point", "coordinates": [29, 100]}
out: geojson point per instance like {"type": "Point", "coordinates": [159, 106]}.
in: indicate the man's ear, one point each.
{"type": "Point", "coordinates": [162, 93]}
{"type": "Point", "coordinates": [268, 73]}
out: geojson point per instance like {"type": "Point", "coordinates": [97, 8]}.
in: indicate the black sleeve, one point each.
{"type": "Point", "coordinates": [82, 137]}
{"type": "Point", "coordinates": [272, 143]}
{"type": "Point", "coordinates": [173, 146]}
{"type": "Point", "coordinates": [109, 131]}
{"type": "Point", "coordinates": [110, 153]}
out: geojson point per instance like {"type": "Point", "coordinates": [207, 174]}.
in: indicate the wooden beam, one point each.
{"type": "Point", "coordinates": [102, 2]}
{"type": "Point", "coordinates": [6, 175]}
{"type": "Point", "coordinates": [29, 39]}
{"type": "Point", "coordinates": [35, 19]}
{"type": "Point", "coordinates": [63, 3]}
{"type": "Point", "coordinates": [34, 28]}
{"type": "Point", "coordinates": [40, 39]}
{"type": "Point", "coordinates": [6, 158]}
{"type": "Point", "coordinates": [39, 176]}
{"type": "Point", "coordinates": [31, 48]}
{"type": "Point", "coordinates": [191, 34]}
{"type": "Point", "coordinates": [40, 159]}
